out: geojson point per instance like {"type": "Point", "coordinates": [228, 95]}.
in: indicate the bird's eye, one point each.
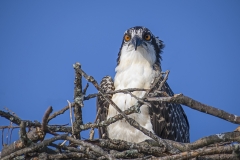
{"type": "Point", "coordinates": [127, 37]}
{"type": "Point", "coordinates": [147, 37]}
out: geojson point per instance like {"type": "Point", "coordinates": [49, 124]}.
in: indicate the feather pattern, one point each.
{"type": "Point", "coordinates": [102, 105]}
{"type": "Point", "coordinates": [137, 68]}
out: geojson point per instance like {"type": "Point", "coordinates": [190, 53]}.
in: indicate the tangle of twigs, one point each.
{"type": "Point", "coordinates": [33, 144]}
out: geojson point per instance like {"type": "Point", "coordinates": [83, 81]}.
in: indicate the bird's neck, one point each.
{"type": "Point", "coordinates": [135, 70]}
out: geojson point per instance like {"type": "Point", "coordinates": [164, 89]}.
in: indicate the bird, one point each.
{"type": "Point", "coordinates": [138, 64]}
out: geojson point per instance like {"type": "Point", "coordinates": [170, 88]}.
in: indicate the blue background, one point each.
{"type": "Point", "coordinates": [40, 40]}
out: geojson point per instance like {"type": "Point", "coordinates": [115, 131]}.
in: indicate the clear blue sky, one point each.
{"type": "Point", "coordinates": [40, 40]}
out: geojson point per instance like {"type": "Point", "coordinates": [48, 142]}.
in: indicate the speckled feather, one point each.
{"type": "Point", "coordinates": [169, 120]}
{"type": "Point", "coordinates": [107, 85]}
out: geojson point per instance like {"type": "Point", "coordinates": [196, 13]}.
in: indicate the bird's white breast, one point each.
{"type": "Point", "coordinates": [134, 71]}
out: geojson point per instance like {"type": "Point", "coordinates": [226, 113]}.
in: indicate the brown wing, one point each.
{"type": "Point", "coordinates": [169, 120]}
{"type": "Point", "coordinates": [102, 105]}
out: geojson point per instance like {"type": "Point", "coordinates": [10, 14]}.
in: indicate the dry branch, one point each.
{"type": "Point", "coordinates": [114, 92]}
{"type": "Point", "coordinates": [78, 99]}
{"type": "Point", "coordinates": [218, 146]}
{"type": "Point", "coordinates": [45, 118]}
{"type": "Point", "coordinates": [23, 134]}
{"type": "Point", "coordinates": [62, 111]}
{"type": "Point", "coordinates": [35, 147]}
{"type": "Point", "coordinates": [204, 151]}
{"type": "Point", "coordinates": [184, 100]}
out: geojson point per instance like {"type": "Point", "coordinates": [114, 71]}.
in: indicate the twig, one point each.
{"type": "Point", "coordinates": [85, 89]}
{"type": "Point", "coordinates": [17, 120]}
{"type": "Point", "coordinates": [155, 82]}
{"type": "Point", "coordinates": [184, 100]}
{"type": "Point", "coordinates": [11, 134]}
{"type": "Point", "coordinates": [98, 112]}
{"type": "Point", "coordinates": [60, 112]}
{"type": "Point", "coordinates": [91, 136]}
{"type": "Point", "coordinates": [13, 113]}
{"type": "Point", "coordinates": [45, 118]}
{"type": "Point", "coordinates": [132, 109]}
{"type": "Point", "coordinates": [164, 80]}
{"type": "Point", "coordinates": [114, 92]}
{"type": "Point", "coordinates": [10, 127]}
{"type": "Point", "coordinates": [2, 137]}
{"type": "Point", "coordinates": [70, 109]}
{"type": "Point", "coordinates": [139, 99]}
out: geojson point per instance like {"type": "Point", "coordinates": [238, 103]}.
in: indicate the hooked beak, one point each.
{"type": "Point", "coordinates": [136, 41]}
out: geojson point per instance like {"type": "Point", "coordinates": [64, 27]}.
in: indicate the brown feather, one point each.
{"type": "Point", "coordinates": [107, 85]}
{"type": "Point", "coordinates": [169, 120]}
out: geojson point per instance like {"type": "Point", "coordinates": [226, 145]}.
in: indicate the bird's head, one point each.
{"type": "Point", "coordinates": [140, 40]}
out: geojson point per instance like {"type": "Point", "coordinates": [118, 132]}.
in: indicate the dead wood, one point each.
{"type": "Point", "coordinates": [32, 143]}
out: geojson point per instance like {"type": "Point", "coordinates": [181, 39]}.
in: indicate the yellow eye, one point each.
{"type": "Point", "coordinates": [147, 37]}
{"type": "Point", "coordinates": [127, 37]}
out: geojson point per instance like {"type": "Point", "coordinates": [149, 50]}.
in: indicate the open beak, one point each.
{"type": "Point", "coordinates": [136, 41]}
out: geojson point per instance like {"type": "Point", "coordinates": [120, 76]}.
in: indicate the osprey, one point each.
{"type": "Point", "coordinates": [138, 64]}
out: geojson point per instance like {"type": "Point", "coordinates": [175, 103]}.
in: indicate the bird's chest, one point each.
{"type": "Point", "coordinates": [137, 77]}
{"type": "Point", "coordinates": [134, 77]}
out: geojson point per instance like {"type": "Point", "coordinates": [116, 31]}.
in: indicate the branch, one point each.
{"type": "Point", "coordinates": [22, 133]}
{"type": "Point", "coordinates": [218, 146]}
{"type": "Point", "coordinates": [114, 92]}
{"type": "Point", "coordinates": [78, 99]}
{"type": "Point", "coordinates": [94, 148]}
{"type": "Point", "coordinates": [91, 135]}
{"type": "Point", "coordinates": [184, 100]}
{"type": "Point", "coordinates": [45, 119]}
{"type": "Point", "coordinates": [9, 127]}
{"type": "Point", "coordinates": [10, 117]}
{"type": "Point", "coordinates": [59, 128]}
{"type": "Point", "coordinates": [35, 147]}
{"type": "Point", "coordinates": [66, 155]}
{"type": "Point", "coordinates": [85, 89]}
{"type": "Point", "coordinates": [164, 80]}
{"type": "Point", "coordinates": [204, 151]}
{"type": "Point", "coordinates": [219, 157]}
{"type": "Point", "coordinates": [116, 144]}
{"type": "Point", "coordinates": [109, 121]}
{"type": "Point", "coordinates": [55, 114]}
{"type": "Point", "coordinates": [131, 121]}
